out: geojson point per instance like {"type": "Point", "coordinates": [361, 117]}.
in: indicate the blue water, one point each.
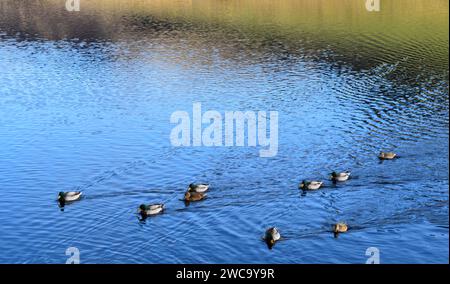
{"type": "Point", "coordinates": [94, 115]}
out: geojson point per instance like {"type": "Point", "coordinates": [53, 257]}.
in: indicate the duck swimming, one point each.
{"type": "Point", "coordinates": [339, 228]}
{"type": "Point", "coordinates": [387, 155]}
{"type": "Point", "coordinates": [200, 187]}
{"type": "Point", "coordinates": [271, 236]}
{"type": "Point", "coordinates": [342, 176]}
{"type": "Point", "coordinates": [194, 196]}
{"type": "Point", "coordinates": [310, 185]}
{"type": "Point", "coordinates": [151, 209]}
{"type": "Point", "coordinates": [69, 196]}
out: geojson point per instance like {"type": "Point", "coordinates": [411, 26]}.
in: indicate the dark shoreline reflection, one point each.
{"type": "Point", "coordinates": [391, 40]}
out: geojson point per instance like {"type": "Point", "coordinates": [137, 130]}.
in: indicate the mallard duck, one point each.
{"type": "Point", "coordinates": [69, 196]}
{"type": "Point", "coordinates": [194, 196]}
{"type": "Point", "coordinates": [340, 228]}
{"type": "Point", "coordinates": [387, 155]}
{"type": "Point", "coordinates": [151, 209]}
{"type": "Point", "coordinates": [272, 235]}
{"type": "Point", "coordinates": [310, 185]}
{"type": "Point", "coordinates": [342, 176]}
{"type": "Point", "coordinates": [200, 187]}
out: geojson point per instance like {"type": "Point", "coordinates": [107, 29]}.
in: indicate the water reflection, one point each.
{"type": "Point", "coordinates": [85, 105]}
{"type": "Point", "coordinates": [344, 31]}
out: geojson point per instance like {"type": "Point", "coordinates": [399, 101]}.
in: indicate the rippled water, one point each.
{"type": "Point", "coordinates": [85, 102]}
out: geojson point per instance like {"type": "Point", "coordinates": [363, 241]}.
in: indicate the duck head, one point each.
{"type": "Point", "coordinates": [143, 211]}
{"type": "Point", "coordinates": [270, 237]}
{"type": "Point", "coordinates": [303, 184]}
{"type": "Point", "coordinates": [61, 199]}
{"type": "Point", "coordinates": [270, 243]}
{"type": "Point", "coordinates": [335, 229]}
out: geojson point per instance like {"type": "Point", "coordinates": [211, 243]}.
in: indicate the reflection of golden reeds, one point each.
{"type": "Point", "coordinates": [397, 15]}
{"type": "Point", "coordinates": [283, 11]}
{"type": "Point", "coordinates": [327, 22]}
{"type": "Point", "coordinates": [286, 12]}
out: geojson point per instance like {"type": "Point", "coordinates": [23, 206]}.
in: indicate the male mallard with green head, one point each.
{"type": "Point", "coordinates": [271, 236]}
{"type": "Point", "coordinates": [310, 185]}
{"type": "Point", "coordinates": [200, 187]}
{"type": "Point", "coordinates": [340, 176]}
{"type": "Point", "coordinates": [151, 209]}
{"type": "Point", "coordinates": [69, 196]}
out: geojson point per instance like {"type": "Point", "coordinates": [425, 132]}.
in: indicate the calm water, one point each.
{"type": "Point", "coordinates": [85, 102]}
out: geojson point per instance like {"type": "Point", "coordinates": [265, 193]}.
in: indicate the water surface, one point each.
{"type": "Point", "coordinates": [85, 103]}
